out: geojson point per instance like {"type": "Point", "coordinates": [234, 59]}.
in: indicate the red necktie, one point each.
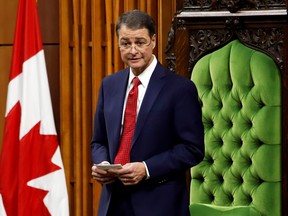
{"type": "Point", "coordinates": [123, 155]}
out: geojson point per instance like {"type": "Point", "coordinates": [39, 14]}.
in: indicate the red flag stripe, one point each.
{"type": "Point", "coordinates": [27, 35]}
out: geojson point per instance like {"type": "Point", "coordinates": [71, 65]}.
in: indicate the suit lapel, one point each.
{"type": "Point", "coordinates": [155, 85]}
{"type": "Point", "coordinates": [117, 101]}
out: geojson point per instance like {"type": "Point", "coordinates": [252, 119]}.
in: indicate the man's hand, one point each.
{"type": "Point", "coordinates": [102, 176]}
{"type": "Point", "coordinates": [130, 174]}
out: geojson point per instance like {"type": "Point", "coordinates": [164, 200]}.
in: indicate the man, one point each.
{"type": "Point", "coordinates": [167, 138]}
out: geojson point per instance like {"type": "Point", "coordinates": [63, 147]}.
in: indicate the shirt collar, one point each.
{"type": "Point", "coordinates": [145, 76]}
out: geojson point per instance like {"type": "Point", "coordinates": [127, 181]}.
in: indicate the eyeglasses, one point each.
{"type": "Point", "coordinates": [140, 44]}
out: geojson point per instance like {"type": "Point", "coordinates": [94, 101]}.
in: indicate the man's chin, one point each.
{"type": "Point", "coordinates": [135, 66]}
{"type": "Point", "coordinates": [136, 70]}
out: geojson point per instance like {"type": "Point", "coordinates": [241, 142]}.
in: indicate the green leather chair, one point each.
{"type": "Point", "coordinates": [240, 92]}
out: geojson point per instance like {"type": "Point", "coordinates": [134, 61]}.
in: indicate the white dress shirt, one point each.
{"type": "Point", "coordinates": [144, 78]}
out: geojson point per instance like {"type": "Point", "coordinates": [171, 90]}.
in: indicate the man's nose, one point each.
{"type": "Point", "coordinates": [133, 49]}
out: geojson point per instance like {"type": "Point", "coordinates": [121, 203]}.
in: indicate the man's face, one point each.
{"type": "Point", "coordinates": [136, 48]}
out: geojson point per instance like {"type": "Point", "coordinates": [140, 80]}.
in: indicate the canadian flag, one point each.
{"type": "Point", "coordinates": [32, 179]}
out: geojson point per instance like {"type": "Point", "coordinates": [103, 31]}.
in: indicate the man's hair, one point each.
{"type": "Point", "coordinates": [136, 19]}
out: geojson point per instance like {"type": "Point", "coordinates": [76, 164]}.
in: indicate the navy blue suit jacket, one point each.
{"type": "Point", "coordinates": [169, 137]}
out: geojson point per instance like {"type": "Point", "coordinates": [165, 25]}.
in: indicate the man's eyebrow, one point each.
{"type": "Point", "coordinates": [124, 38]}
{"type": "Point", "coordinates": [136, 38]}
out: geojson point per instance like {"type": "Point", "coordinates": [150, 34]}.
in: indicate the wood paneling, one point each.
{"type": "Point", "coordinates": [52, 65]}
{"type": "Point", "coordinates": [49, 21]}
{"type": "Point", "coordinates": [5, 56]}
{"type": "Point", "coordinates": [8, 10]}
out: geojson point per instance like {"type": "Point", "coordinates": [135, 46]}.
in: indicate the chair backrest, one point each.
{"type": "Point", "coordinates": [240, 92]}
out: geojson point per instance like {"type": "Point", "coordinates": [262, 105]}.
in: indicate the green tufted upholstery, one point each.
{"type": "Point", "coordinates": [239, 89]}
{"type": "Point", "coordinates": [212, 210]}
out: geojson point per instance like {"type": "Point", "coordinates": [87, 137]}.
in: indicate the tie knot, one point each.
{"type": "Point", "coordinates": [136, 81]}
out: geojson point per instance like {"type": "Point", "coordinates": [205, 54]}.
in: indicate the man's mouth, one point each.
{"type": "Point", "coordinates": [134, 59]}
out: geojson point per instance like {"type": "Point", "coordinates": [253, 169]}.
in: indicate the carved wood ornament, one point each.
{"type": "Point", "coordinates": [225, 20]}
{"type": "Point", "coordinates": [232, 5]}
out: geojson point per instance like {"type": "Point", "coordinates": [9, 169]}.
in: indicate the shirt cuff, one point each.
{"type": "Point", "coordinates": [147, 171]}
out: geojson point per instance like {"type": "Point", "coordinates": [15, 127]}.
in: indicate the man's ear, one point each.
{"type": "Point", "coordinates": [154, 40]}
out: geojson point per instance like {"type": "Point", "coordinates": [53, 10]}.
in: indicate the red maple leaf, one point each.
{"type": "Point", "coordinates": [25, 160]}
